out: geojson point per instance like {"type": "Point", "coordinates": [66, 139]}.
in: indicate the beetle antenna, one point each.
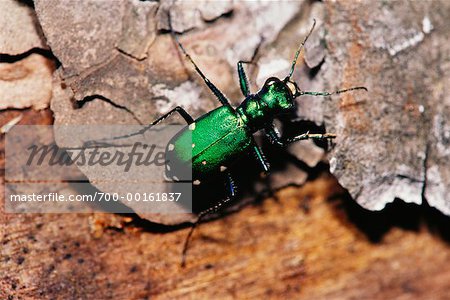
{"type": "Point", "coordinates": [300, 93]}
{"type": "Point", "coordinates": [300, 49]}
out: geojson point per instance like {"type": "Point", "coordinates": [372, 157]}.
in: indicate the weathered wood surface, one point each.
{"type": "Point", "coordinates": [311, 242]}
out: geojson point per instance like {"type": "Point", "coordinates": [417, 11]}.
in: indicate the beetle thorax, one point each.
{"type": "Point", "coordinates": [272, 100]}
{"type": "Point", "coordinates": [253, 112]}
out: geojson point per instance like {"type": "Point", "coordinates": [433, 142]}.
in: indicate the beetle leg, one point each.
{"type": "Point", "coordinates": [274, 136]}
{"type": "Point", "coordinates": [220, 96]}
{"type": "Point", "coordinates": [243, 81]}
{"type": "Point", "coordinates": [219, 205]}
{"type": "Point", "coordinates": [260, 157]}
{"type": "Point", "coordinates": [186, 116]}
{"type": "Point", "coordinates": [307, 136]}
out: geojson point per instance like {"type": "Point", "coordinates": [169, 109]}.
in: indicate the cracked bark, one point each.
{"type": "Point", "coordinates": [391, 141]}
{"type": "Point", "coordinates": [26, 64]}
{"type": "Point", "coordinates": [330, 249]}
{"type": "Point", "coordinates": [382, 135]}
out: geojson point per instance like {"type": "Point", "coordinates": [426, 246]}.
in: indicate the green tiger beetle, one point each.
{"type": "Point", "coordinates": [219, 138]}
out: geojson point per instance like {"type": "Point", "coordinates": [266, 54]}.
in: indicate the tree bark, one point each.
{"type": "Point", "coordinates": [117, 61]}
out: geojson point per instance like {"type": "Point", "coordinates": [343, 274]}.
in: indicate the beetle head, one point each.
{"type": "Point", "coordinates": [278, 95]}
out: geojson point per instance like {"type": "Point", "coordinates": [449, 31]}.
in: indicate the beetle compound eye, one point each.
{"type": "Point", "coordinates": [292, 87]}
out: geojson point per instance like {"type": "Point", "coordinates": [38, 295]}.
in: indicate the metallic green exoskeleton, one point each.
{"type": "Point", "coordinates": [212, 143]}
{"type": "Point", "coordinates": [216, 140]}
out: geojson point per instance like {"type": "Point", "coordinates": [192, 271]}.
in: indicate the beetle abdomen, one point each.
{"type": "Point", "coordinates": [208, 146]}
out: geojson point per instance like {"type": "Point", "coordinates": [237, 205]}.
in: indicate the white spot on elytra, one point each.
{"type": "Point", "coordinates": [168, 168]}
{"type": "Point", "coordinates": [193, 145]}
{"type": "Point", "coordinates": [192, 126]}
{"type": "Point", "coordinates": [222, 168]}
{"type": "Point", "coordinates": [175, 178]}
{"type": "Point", "coordinates": [421, 108]}
{"type": "Point", "coordinates": [196, 182]}
{"type": "Point", "coordinates": [204, 162]}
{"type": "Point", "coordinates": [171, 147]}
